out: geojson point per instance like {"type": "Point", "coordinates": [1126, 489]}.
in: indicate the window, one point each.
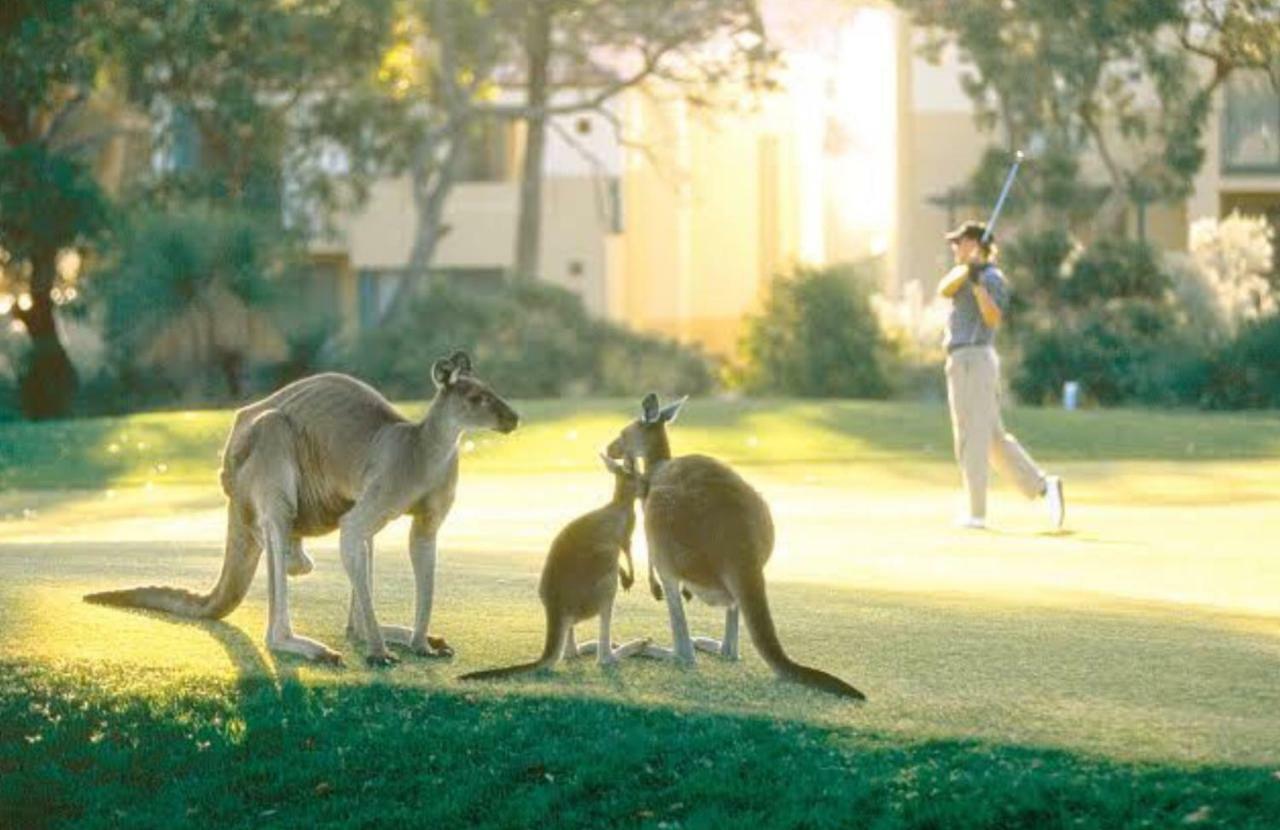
{"type": "Point", "coordinates": [1251, 125]}
{"type": "Point", "coordinates": [373, 292]}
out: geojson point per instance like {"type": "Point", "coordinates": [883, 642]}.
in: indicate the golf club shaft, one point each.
{"type": "Point", "coordinates": [1004, 193]}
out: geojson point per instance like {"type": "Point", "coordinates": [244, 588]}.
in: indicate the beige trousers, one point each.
{"type": "Point", "coordinates": [973, 390]}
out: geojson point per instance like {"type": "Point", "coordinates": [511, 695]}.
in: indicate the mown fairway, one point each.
{"type": "Point", "coordinates": [1123, 673]}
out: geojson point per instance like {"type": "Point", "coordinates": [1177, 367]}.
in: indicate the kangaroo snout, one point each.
{"type": "Point", "coordinates": [508, 421]}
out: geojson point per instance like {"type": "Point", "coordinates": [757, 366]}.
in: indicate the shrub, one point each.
{"type": "Point", "coordinates": [1127, 350]}
{"type": "Point", "coordinates": [1245, 374]}
{"type": "Point", "coordinates": [1115, 268]}
{"type": "Point", "coordinates": [817, 336]}
{"type": "Point", "coordinates": [528, 339]}
{"type": "Point", "coordinates": [182, 298]}
{"type": "Point", "coordinates": [1234, 258]}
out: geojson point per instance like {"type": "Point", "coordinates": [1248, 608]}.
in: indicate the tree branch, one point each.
{"type": "Point", "coordinates": [59, 120]}
{"type": "Point", "coordinates": [652, 62]}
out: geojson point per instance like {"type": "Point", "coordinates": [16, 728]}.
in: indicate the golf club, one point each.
{"type": "Point", "coordinates": [1004, 193]}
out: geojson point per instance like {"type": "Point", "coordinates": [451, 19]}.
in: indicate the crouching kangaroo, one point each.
{"type": "Point", "coordinates": [580, 579]}
{"type": "Point", "coordinates": [711, 532]}
{"type": "Point", "coordinates": [329, 452]}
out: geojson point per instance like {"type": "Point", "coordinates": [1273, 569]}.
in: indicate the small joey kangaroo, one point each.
{"type": "Point", "coordinates": [711, 533]}
{"type": "Point", "coordinates": [580, 579]}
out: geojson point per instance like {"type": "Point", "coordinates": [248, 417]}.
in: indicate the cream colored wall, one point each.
{"type": "Point", "coordinates": [482, 220]}
{"type": "Point", "coordinates": [710, 215]}
{"type": "Point", "coordinates": [942, 148]}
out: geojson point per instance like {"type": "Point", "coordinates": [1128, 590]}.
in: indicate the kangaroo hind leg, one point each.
{"type": "Point", "coordinates": [280, 636]}
{"type": "Point", "coordinates": [606, 652]}
{"type": "Point", "coordinates": [269, 481]}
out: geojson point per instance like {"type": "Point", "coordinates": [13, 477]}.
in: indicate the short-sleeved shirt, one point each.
{"type": "Point", "coordinates": [965, 326]}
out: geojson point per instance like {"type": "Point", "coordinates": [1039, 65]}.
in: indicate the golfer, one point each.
{"type": "Point", "coordinates": [979, 297]}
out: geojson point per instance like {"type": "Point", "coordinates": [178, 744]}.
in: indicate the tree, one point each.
{"type": "Point", "coordinates": [264, 86]}
{"type": "Point", "coordinates": [1120, 79]}
{"type": "Point", "coordinates": [578, 55]}
{"type": "Point", "coordinates": [264, 89]}
{"type": "Point", "coordinates": [574, 56]}
{"type": "Point", "coordinates": [180, 297]}
{"type": "Point", "coordinates": [432, 81]}
{"type": "Point", "coordinates": [51, 52]}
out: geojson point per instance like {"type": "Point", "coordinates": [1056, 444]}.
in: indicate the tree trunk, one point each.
{"type": "Point", "coordinates": [48, 382]}
{"type": "Point", "coordinates": [529, 219]}
{"type": "Point", "coordinates": [432, 182]}
{"type": "Point", "coordinates": [1110, 217]}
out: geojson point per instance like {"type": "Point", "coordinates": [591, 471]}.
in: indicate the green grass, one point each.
{"type": "Point", "coordinates": [1123, 674]}
{"type": "Point", "coordinates": [184, 447]}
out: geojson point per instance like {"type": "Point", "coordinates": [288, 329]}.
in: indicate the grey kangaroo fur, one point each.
{"type": "Point", "coordinates": [580, 579]}
{"type": "Point", "coordinates": [710, 532]}
{"type": "Point", "coordinates": [330, 452]}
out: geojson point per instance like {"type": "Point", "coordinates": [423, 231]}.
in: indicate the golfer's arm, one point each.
{"type": "Point", "coordinates": [954, 279]}
{"type": "Point", "coordinates": [987, 307]}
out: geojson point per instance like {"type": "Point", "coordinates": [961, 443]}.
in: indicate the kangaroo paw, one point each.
{"type": "Point", "coordinates": [628, 649]}
{"type": "Point", "coordinates": [433, 647]}
{"type": "Point", "coordinates": [707, 644]}
{"type": "Point", "coordinates": [381, 661]}
{"type": "Point", "coordinates": [663, 653]}
{"type": "Point", "coordinates": [299, 564]}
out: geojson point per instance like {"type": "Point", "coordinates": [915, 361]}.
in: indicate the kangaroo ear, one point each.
{"type": "Point", "coordinates": [649, 408]}
{"type": "Point", "coordinates": [611, 465]}
{"type": "Point", "coordinates": [671, 410]}
{"type": "Point", "coordinates": [442, 372]}
{"type": "Point", "coordinates": [462, 361]}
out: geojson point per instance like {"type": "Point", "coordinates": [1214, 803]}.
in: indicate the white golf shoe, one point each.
{"type": "Point", "coordinates": [1055, 501]}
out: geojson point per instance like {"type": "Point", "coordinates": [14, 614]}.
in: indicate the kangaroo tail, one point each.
{"type": "Point", "coordinates": [750, 593]}
{"type": "Point", "coordinates": [238, 565]}
{"type": "Point", "coordinates": [557, 629]}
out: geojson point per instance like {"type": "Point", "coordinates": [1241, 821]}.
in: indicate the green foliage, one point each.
{"type": "Point", "coordinates": [528, 339]}
{"type": "Point", "coordinates": [1112, 318]}
{"type": "Point", "coordinates": [816, 337]}
{"type": "Point", "coordinates": [1115, 269]}
{"type": "Point", "coordinates": [47, 201]}
{"type": "Point", "coordinates": [1123, 351]}
{"type": "Point", "coordinates": [1245, 372]}
{"type": "Point", "coordinates": [254, 90]}
{"type": "Point", "coordinates": [1104, 316]}
{"type": "Point", "coordinates": [170, 275]}
{"type": "Point", "coordinates": [1068, 71]}
{"type": "Point", "coordinates": [166, 261]}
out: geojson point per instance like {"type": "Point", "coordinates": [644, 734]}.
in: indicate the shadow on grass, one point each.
{"type": "Point", "coordinates": [107, 746]}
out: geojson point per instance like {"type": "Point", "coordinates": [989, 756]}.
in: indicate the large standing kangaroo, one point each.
{"type": "Point", "coordinates": [330, 452]}
{"type": "Point", "coordinates": [711, 532]}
